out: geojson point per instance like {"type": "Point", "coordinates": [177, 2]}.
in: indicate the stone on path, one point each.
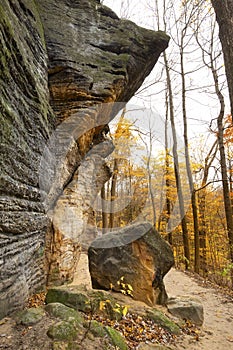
{"type": "Point", "coordinates": [187, 308]}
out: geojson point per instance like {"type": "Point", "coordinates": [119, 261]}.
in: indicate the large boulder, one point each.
{"type": "Point", "coordinates": [132, 260]}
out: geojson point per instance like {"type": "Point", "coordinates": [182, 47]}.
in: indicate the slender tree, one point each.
{"type": "Point", "coordinates": [183, 39]}
{"type": "Point", "coordinates": [176, 167]}
{"type": "Point", "coordinates": [202, 192]}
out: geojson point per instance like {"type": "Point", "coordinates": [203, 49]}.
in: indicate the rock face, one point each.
{"type": "Point", "coordinates": [86, 56]}
{"type": "Point", "coordinates": [25, 125]}
{"type": "Point", "coordinates": [135, 256]}
{"type": "Point", "coordinates": [106, 63]}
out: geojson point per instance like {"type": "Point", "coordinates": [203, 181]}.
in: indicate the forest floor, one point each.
{"type": "Point", "coordinates": [217, 330]}
{"type": "Point", "coordinates": [215, 334]}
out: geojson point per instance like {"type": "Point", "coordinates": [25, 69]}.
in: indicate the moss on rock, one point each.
{"type": "Point", "coordinates": [96, 328]}
{"type": "Point", "coordinates": [116, 338]}
{"type": "Point", "coordinates": [62, 330]}
{"type": "Point", "coordinates": [30, 316]}
{"type": "Point", "coordinates": [70, 297]}
{"type": "Point", "coordinates": [64, 312]}
{"type": "Point", "coordinates": [159, 318]}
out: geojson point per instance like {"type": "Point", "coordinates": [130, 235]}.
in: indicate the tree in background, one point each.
{"type": "Point", "coordinates": [224, 15]}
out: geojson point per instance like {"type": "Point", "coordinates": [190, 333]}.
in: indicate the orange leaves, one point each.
{"type": "Point", "coordinates": [137, 329]}
{"type": "Point", "coordinates": [36, 300]}
{"type": "Point", "coordinates": [228, 132]}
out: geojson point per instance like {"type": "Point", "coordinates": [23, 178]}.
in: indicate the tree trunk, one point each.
{"type": "Point", "coordinates": [223, 164]}
{"type": "Point", "coordinates": [224, 15]}
{"type": "Point", "coordinates": [104, 213]}
{"type": "Point", "coordinates": [168, 182]}
{"type": "Point", "coordinates": [188, 165]}
{"type": "Point", "coordinates": [113, 194]}
{"type": "Point", "coordinates": [176, 168]}
{"type": "Point", "coordinates": [202, 209]}
{"type": "Point", "coordinates": [226, 191]}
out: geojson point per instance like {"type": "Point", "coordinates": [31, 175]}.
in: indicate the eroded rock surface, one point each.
{"type": "Point", "coordinates": [131, 257]}
{"type": "Point", "coordinates": [90, 57]}
{"type": "Point", "coordinates": [91, 62]}
{"type": "Point", "coordinates": [25, 124]}
{"type": "Point", "coordinates": [93, 55]}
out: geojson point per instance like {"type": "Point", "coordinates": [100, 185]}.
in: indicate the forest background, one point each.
{"type": "Point", "coordinates": [172, 163]}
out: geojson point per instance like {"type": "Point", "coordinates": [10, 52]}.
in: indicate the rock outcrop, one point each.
{"type": "Point", "coordinates": [26, 122]}
{"type": "Point", "coordinates": [136, 256]}
{"type": "Point", "coordinates": [94, 57]}
{"type": "Point", "coordinates": [86, 56]}
{"type": "Point", "coordinates": [94, 67]}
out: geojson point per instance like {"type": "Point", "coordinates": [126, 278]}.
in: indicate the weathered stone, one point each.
{"type": "Point", "coordinates": [25, 124]}
{"type": "Point", "coordinates": [84, 300]}
{"type": "Point", "coordinates": [30, 316]}
{"type": "Point", "coordinates": [71, 214]}
{"type": "Point", "coordinates": [136, 253]}
{"type": "Point", "coordinates": [69, 296]}
{"type": "Point", "coordinates": [62, 330]}
{"type": "Point", "coordinates": [64, 312]}
{"type": "Point", "coordinates": [116, 338]}
{"type": "Point", "coordinates": [107, 62]}
{"type": "Point", "coordinates": [187, 308]}
{"type": "Point", "coordinates": [159, 318]}
{"type": "Point", "coordinates": [93, 57]}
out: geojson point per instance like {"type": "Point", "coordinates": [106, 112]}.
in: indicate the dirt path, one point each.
{"type": "Point", "coordinates": [217, 330]}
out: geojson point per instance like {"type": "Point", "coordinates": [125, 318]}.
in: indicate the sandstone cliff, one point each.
{"type": "Point", "coordinates": [59, 61]}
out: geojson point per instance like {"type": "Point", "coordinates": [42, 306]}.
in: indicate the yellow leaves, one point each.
{"type": "Point", "coordinates": [102, 305]}
{"type": "Point", "coordinates": [125, 311]}
{"type": "Point", "coordinates": [126, 288]}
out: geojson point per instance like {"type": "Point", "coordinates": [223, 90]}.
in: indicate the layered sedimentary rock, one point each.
{"type": "Point", "coordinates": [94, 57]}
{"type": "Point", "coordinates": [25, 125]}
{"type": "Point", "coordinates": [90, 57]}
{"type": "Point", "coordinates": [134, 257]}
